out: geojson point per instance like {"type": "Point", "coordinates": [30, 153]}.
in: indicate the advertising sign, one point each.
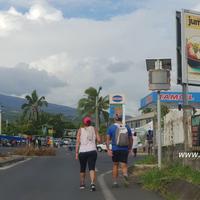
{"type": "Point", "coordinates": [116, 99]}
{"type": "Point", "coordinates": [115, 109]}
{"type": "Point", "coordinates": [196, 130]}
{"type": "Point", "coordinates": [169, 97]}
{"type": "Point", "coordinates": [190, 30]}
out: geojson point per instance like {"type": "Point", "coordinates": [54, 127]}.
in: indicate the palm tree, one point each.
{"type": "Point", "coordinates": [91, 102]}
{"type": "Point", "coordinates": [103, 105]}
{"type": "Point", "coordinates": [87, 105]}
{"type": "Point", "coordinates": [33, 106]}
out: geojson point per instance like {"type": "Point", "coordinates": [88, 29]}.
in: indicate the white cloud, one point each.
{"type": "Point", "coordinates": [86, 53]}
{"type": "Point", "coordinates": [46, 12]}
{"type": "Point", "coordinates": [9, 21]}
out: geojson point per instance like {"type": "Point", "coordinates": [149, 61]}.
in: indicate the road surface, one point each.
{"type": "Point", "coordinates": [57, 178]}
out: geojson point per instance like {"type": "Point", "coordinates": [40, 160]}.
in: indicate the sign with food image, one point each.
{"type": "Point", "coordinates": [191, 47]}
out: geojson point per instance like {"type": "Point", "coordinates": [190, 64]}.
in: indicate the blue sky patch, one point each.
{"type": "Point", "coordinates": [91, 9]}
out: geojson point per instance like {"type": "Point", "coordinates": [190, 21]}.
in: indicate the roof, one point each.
{"type": "Point", "coordinates": [143, 116]}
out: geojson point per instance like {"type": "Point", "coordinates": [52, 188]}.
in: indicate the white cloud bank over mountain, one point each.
{"type": "Point", "coordinates": [84, 52]}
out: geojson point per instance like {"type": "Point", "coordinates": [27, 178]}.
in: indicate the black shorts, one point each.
{"type": "Point", "coordinates": [120, 156]}
{"type": "Point", "coordinates": [135, 150]}
{"type": "Point", "coordinates": [89, 158]}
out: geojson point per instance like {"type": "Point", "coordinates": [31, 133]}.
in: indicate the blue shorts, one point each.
{"type": "Point", "coordinates": [120, 156]}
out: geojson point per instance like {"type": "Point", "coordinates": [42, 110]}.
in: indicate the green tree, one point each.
{"type": "Point", "coordinates": [164, 110]}
{"type": "Point", "coordinates": [103, 105]}
{"type": "Point", "coordinates": [87, 105]}
{"type": "Point", "coordinates": [58, 122]}
{"type": "Point", "coordinates": [32, 108]}
{"type": "Point", "coordinates": [147, 110]}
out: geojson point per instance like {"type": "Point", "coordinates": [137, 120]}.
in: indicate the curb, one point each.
{"type": "Point", "coordinates": [11, 161]}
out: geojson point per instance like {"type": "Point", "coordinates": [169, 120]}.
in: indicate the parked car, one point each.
{"type": "Point", "coordinates": [102, 147]}
{"type": "Point", "coordinates": [66, 141]}
{"type": "Point", "coordinates": [72, 145]}
{"type": "Point", "coordinates": [6, 143]}
{"type": "Point", "coordinates": [57, 142]}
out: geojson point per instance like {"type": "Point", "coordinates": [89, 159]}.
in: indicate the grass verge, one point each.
{"type": "Point", "coordinates": [158, 180]}
{"type": "Point", "coordinates": [147, 160]}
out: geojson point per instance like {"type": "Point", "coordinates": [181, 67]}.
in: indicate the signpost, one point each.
{"type": "Point", "coordinates": [117, 106]}
{"type": "Point", "coordinates": [188, 57]}
{"type": "Point", "coordinates": [159, 79]}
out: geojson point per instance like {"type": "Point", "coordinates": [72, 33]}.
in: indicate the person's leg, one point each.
{"type": "Point", "coordinates": [92, 157]}
{"type": "Point", "coordinates": [124, 169]}
{"type": "Point", "coordinates": [148, 148]}
{"type": "Point", "coordinates": [151, 147]}
{"type": "Point", "coordinates": [124, 166]}
{"type": "Point", "coordinates": [115, 171]}
{"type": "Point", "coordinates": [83, 163]}
{"type": "Point", "coordinates": [115, 159]}
{"type": "Point", "coordinates": [135, 152]}
{"type": "Point", "coordinates": [82, 179]}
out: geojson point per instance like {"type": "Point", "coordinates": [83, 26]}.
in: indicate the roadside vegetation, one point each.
{"type": "Point", "coordinates": [155, 179]}
{"type": "Point", "coordinates": [31, 151]}
{"type": "Point", "coordinates": [147, 160]}
{"type": "Point", "coordinates": [158, 180]}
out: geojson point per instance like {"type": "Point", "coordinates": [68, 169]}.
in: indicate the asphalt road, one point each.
{"type": "Point", "coordinates": [57, 178]}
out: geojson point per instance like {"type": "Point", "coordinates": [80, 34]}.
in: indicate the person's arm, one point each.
{"type": "Point", "coordinates": [132, 142]}
{"type": "Point", "coordinates": [97, 136]}
{"type": "Point", "coordinates": [130, 139]}
{"type": "Point", "coordinates": [108, 139]}
{"type": "Point", "coordinates": [78, 143]}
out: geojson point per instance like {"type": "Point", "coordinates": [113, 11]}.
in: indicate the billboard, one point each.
{"type": "Point", "coordinates": [115, 109]}
{"type": "Point", "coordinates": [190, 44]}
{"type": "Point", "coordinates": [116, 99]}
{"type": "Point", "coordinates": [169, 97]}
{"type": "Point", "coordinates": [195, 125]}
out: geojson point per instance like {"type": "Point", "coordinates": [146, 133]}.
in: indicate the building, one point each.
{"type": "Point", "coordinates": [141, 120]}
{"type": "Point", "coordinates": [170, 99]}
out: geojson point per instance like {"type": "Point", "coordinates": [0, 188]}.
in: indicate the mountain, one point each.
{"type": "Point", "coordinates": [11, 108]}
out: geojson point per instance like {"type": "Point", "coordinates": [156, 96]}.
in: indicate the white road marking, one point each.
{"type": "Point", "coordinates": [106, 192]}
{"type": "Point", "coordinates": [14, 164]}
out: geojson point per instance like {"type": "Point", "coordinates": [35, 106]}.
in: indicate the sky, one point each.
{"type": "Point", "coordinates": [62, 47]}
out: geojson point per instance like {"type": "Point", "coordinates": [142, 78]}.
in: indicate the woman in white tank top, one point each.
{"type": "Point", "coordinates": [86, 151]}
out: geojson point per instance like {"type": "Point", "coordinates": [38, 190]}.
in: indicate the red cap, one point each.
{"type": "Point", "coordinates": [87, 121]}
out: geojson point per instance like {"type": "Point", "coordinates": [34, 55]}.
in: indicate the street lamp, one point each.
{"type": "Point", "coordinates": [97, 108]}
{"type": "Point", "coordinates": [1, 119]}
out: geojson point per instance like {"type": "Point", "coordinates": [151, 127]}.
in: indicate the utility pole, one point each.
{"type": "Point", "coordinates": [97, 108]}
{"type": "Point", "coordinates": [159, 130]}
{"type": "Point", "coordinates": [0, 118]}
{"type": "Point", "coordinates": [185, 114]}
